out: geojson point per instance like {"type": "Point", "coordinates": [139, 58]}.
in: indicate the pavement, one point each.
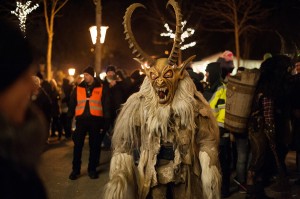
{"type": "Point", "coordinates": [56, 165]}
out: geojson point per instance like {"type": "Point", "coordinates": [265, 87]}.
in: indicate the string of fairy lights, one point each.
{"type": "Point", "coordinates": [186, 34]}
{"type": "Point", "coordinates": [22, 10]}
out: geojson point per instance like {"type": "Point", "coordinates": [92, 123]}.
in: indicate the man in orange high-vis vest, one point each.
{"type": "Point", "coordinates": [86, 104]}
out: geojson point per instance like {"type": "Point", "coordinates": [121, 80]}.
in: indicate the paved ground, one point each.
{"type": "Point", "coordinates": [56, 166]}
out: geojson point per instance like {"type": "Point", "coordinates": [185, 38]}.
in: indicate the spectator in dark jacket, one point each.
{"type": "Point", "coordinates": [56, 111]}
{"type": "Point", "coordinates": [42, 100]}
{"type": "Point", "coordinates": [125, 83]}
{"type": "Point", "coordinates": [86, 104]}
{"type": "Point", "coordinates": [116, 96]}
{"type": "Point", "coordinates": [136, 81]}
{"type": "Point", "coordinates": [196, 79]}
{"type": "Point", "coordinates": [66, 121]}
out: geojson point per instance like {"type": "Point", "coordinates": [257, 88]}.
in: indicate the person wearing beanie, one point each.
{"type": "Point", "coordinates": [213, 76]}
{"type": "Point", "coordinates": [22, 133]}
{"type": "Point", "coordinates": [89, 70]}
{"type": "Point", "coordinates": [117, 96]}
{"type": "Point", "coordinates": [86, 105]}
{"type": "Point", "coordinates": [215, 94]}
{"type": "Point", "coordinates": [226, 62]}
{"type": "Point", "coordinates": [111, 68]}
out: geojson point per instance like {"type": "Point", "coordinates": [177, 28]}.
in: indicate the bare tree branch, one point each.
{"type": "Point", "coordinates": [238, 16]}
{"type": "Point", "coordinates": [55, 7]}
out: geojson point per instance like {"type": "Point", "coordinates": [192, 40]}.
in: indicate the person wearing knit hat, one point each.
{"type": "Point", "coordinates": [86, 105]}
{"type": "Point", "coordinates": [22, 132]}
{"type": "Point", "coordinates": [117, 97]}
{"type": "Point", "coordinates": [111, 68]}
{"type": "Point", "coordinates": [213, 72]}
{"type": "Point", "coordinates": [89, 70]}
{"type": "Point", "coordinates": [226, 62]}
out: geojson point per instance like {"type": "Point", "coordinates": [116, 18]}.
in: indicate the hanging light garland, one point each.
{"type": "Point", "coordinates": [186, 34]}
{"type": "Point", "coordinates": [22, 10]}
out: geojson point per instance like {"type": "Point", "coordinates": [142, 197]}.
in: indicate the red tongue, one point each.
{"type": "Point", "coordinates": [161, 94]}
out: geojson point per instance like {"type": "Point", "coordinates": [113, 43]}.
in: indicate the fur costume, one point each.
{"type": "Point", "coordinates": [167, 112]}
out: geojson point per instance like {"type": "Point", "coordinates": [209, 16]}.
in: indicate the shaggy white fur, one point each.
{"type": "Point", "coordinates": [210, 178]}
{"type": "Point", "coordinates": [143, 124]}
{"type": "Point", "coordinates": [122, 178]}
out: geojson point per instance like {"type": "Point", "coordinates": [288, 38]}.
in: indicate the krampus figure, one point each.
{"type": "Point", "coordinates": [170, 126]}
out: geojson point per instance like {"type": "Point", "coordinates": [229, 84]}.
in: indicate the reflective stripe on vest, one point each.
{"type": "Point", "coordinates": [94, 101]}
{"type": "Point", "coordinates": [219, 109]}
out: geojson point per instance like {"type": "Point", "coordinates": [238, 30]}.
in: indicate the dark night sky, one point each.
{"type": "Point", "coordinates": [72, 42]}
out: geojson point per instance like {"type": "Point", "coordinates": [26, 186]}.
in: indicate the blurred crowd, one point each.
{"type": "Point", "coordinates": [53, 97]}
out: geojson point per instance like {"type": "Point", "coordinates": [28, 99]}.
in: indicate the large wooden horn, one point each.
{"type": "Point", "coordinates": [177, 40]}
{"type": "Point", "coordinates": [141, 56]}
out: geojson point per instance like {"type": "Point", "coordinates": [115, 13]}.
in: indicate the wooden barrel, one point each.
{"type": "Point", "coordinates": [239, 95]}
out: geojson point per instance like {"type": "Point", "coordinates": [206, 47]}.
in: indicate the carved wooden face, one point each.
{"type": "Point", "coordinates": [164, 79]}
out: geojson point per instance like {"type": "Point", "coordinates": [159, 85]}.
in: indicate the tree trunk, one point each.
{"type": "Point", "coordinates": [49, 57]}
{"type": "Point", "coordinates": [50, 31]}
{"type": "Point", "coordinates": [237, 47]}
{"type": "Point", "coordinates": [236, 37]}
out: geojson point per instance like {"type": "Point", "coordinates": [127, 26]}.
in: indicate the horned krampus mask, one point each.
{"type": "Point", "coordinates": [163, 73]}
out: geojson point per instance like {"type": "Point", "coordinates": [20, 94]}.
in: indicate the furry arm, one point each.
{"type": "Point", "coordinates": [121, 183]}
{"type": "Point", "coordinates": [208, 141]}
{"type": "Point", "coordinates": [210, 177]}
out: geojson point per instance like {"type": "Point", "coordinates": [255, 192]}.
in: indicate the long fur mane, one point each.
{"type": "Point", "coordinates": [142, 110]}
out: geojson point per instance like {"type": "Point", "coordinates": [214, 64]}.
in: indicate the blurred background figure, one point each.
{"type": "Point", "coordinates": [42, 100]}
{"type": "Point", "coordinates": [56, 125]}
{"type": "Point", "coordinates": [136, 81]}
{"type": "Point", "coordinates": [117, 97]}
{"type": "Point", "coordinates": [295, 109]}
{"type": "Point", "coordinates": [267, 124]}
{"type": "Point", "coordinates": [226, 62]}
{"type": "Point", "coordinates": [44, 83]}
{"type": "Point", "coordinates": [196, 78]}
{"type": "Point", "coordinates": [125, 83]}
{"type": "Point", "coordinates": [66, 121]}
{"type": "Point", "coordinates": [22, 134]}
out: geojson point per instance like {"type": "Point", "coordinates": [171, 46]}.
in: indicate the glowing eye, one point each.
{"type": "Point", "coordinates": [168, 74]}
{"type": "Point", "coordinates": [153, 76]}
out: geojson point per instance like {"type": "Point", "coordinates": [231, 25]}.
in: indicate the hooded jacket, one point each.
{"type": "Point", "coordinates": [215, 94]}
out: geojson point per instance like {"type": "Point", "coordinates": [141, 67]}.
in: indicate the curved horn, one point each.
{"type": "Point", "coordinates": [177, 40]}
{"type": "Point", "coordinates": [133, 45]}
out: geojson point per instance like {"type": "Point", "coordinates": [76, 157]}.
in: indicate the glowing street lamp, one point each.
{"type": "Point", "coordinates": [94, 35]}
{"type": "Point", "coordinates": [93, 31]}
{"type": "Point", "coordinates": [71, 71]}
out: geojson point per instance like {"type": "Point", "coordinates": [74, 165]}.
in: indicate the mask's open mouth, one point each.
{"type": "Point", "coordinates": [162, 93]}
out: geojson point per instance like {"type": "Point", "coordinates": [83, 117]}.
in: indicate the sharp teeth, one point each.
{"type": "Point", "coordinates": [162, 89]}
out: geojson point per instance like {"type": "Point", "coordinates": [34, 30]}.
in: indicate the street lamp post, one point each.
{"type": "Point", "coordinates": [98, 35]}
